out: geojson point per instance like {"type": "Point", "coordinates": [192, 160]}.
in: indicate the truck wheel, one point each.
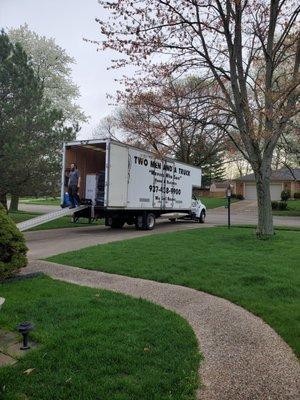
{"type": "Point", "coordinates": [116, 222]}
{"type": "Point", "coordinates": [202, 217]}
{"type": "Point", "coordinates": [138, 222]}
{"type": "Point", "coordinates": [149, 222]}
{"type": "Point", "coordinates": [172, 220]}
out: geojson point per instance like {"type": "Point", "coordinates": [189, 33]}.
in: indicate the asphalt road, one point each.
{"type": "Point", "coordinates": [245, 213]}
{"type": "Point", "coordinates": [43, 244]}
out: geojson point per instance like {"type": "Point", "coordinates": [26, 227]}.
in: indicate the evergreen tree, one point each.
{"type": "Point", "coordinates": [209, 155]}
{"type": "Point", "coordinates": [31, 130]}
{"type": "Point", "coordinates": [213, 171]}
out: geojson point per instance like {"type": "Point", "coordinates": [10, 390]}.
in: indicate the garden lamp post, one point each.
{"type": "Point", "coordinates": [228, 195]}
{"type": "Point", "coordinates": [24, 328]}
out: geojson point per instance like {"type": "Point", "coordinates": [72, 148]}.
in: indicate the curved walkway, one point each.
{"type": "Point", "coordinates": [244, 358]}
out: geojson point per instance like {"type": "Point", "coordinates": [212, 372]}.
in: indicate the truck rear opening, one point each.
{"type": "Point", "coordinates": [126, 184]}
{"type": "Point", "coordinates": [90, 159]}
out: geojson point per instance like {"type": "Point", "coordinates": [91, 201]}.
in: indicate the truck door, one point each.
{"type": "Point", "coordinates": [158, 183]}
{"type": "Point", "coordinates": [117, 176]}
{"type": "Point", "coordinates": [168, 185]}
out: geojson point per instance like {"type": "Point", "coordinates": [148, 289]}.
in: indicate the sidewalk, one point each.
{"type": "Point", "coordinates": [244, 357]}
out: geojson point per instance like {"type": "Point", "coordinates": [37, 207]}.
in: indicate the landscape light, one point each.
{"type": "Point", "coordinates": [24, 328]}
{"type": "Point", "coordinates": [228, 195]}
{"type": "Point", "coordinates": [228, 191]}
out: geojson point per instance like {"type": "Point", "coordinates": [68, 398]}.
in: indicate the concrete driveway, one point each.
{"type": "Point", "coordinates": [36, 208]}
{"type": "Point", "coordinates": [245, 213]}
{"type": "Point", "coordinates": [46, 243]}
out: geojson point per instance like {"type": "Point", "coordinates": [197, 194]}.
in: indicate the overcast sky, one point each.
{"type": "Point", "coordinates": [68, 22]}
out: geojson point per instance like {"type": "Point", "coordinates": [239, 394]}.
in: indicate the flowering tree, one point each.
{"type": "Point", "coordinates": [53, 66]}
{"type": "Point", "coordinates": [173, 119]}
{"type": "Point", "coordinates": [241, 44]}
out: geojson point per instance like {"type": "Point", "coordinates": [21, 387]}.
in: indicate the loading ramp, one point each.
{"type": "Point", "coordinates": [42, 219]}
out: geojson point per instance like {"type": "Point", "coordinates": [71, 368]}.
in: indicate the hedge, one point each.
{"type": "Point", "coordinates": [279, 205]}
{"type": "Point", "coordinates": [12, 247]}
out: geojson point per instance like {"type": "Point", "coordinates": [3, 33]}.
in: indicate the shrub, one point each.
{"type": "Point", "coordinates": [282, 205]}
{"type": "Point", "coordinates": [297, 195]}
{"type": "Point", "coordinates": [285, 194]}
{"type": "Point", "coordinates": [279, 205]}
{"type": "Point", "coordinates": [12, 247]}
{"type": "Point", "coordinates": [237, 196]}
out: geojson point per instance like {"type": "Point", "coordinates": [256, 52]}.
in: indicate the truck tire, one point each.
{"type": "Point", "coordinates": [202, 217]}
{"type": "Point", "coordinates": [149, 222]}
{"type": "Point", "coordinates": [115, 222]}
{"type": "Point", "coordinates": [172, 220]}
{"type": "Point", "coordinates": [138, 222]}
{"type": "Point", "coordinates": [145, 222]}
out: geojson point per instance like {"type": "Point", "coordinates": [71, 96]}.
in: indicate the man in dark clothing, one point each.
{"type": "Point", "coordinates": [74, 185]}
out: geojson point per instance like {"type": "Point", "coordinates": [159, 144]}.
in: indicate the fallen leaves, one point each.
{"type": "Point", "coordinates": [28, 371]}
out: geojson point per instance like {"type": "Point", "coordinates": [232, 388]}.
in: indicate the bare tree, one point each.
{"type": "Point", "coordinates": [173, 119]}
{"type": "Point", "coordinates": [241, 45]}
{"type": "Point", "coordinates": [237, 164]}
{"type": "Point", "coordinates": [106, 128]}
{"type": "Point", "coordinates": [287, 152]}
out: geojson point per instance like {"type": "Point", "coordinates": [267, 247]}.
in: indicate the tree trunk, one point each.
{"type": "Point", "coordinates": [14, 203]}
{"type": "Point", "coordinates": [3, 200]}
{"type": "Point", "coordinates": [265, 227]}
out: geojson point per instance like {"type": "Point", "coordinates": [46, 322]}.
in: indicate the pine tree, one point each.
{"type": "Point", "coordinates": [31, 130]}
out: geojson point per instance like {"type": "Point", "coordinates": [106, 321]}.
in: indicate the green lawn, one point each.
{"type": "Point", "coordinates": [261, 276]}
{"type": "Point", "coordinates": [210, 202]}
{"type": "Point", "coordinates": [292, 211]}
{"type": "Point", "coordinates": [213, 202]}
{"type": "Point", "coordinates": [96, 345]}
{"type": "Point", "coordinates": [64, 222]}
{"type": "Point", "coordinates": [20, 216]}
{"type": "Point", "coordinates": [41, 201]}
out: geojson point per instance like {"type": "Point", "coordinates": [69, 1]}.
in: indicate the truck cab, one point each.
{"type": "Point", "coordinates": [198, 209]}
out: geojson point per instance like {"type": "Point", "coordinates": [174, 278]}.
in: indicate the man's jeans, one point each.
{"type": "Point", "coordinates": [73, 195]}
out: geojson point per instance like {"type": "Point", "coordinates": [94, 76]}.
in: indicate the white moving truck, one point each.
{"type": "Point", "coordinates": [124, 184]}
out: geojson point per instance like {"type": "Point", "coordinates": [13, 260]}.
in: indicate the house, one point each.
{"type": "Point", "coordinates": [280, 180]}
{"type": "Point", "coordinates": [218, 189]}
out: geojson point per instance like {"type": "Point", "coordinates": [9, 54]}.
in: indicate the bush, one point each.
{"type": "Point", "coordinates": [279, 205]}
{"type": "Point", "coordinates": [285, 194]}
{"type": "Point", "coordinates": [297, 195]}
{"type": "Point", "coordinates": [237, 196]}
{"type": "Point", "coordinates": [12, 247]}
{"type": "Point", "coordinates": [282, 205]}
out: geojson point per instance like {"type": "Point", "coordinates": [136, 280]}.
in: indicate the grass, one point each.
{"type": "Point", "coordinates": [293, 209]}
{"type": "Point", "coordinates": [20, 216]}
{"type": "Point", "coordinates": [64, 222]}
{"type": "Point", "coordinates": [210, 202]}
{"type": "Point", "coordinates": [96, 344]}
{"type": "Point", "coordinates": [42, 201]}
{"type": "Point", "coordinates": [276, 227]}
{"type": "Point", "coordinates": [213, 202]}
{"type": "Point", "coordinates": [261, 276]}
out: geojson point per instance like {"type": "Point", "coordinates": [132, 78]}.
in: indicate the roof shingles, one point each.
{"type": "Point", "coordinates": [283, 174]}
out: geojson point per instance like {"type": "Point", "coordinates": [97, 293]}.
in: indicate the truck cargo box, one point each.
{"type": "Point", "coordinates": [118, 176]}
